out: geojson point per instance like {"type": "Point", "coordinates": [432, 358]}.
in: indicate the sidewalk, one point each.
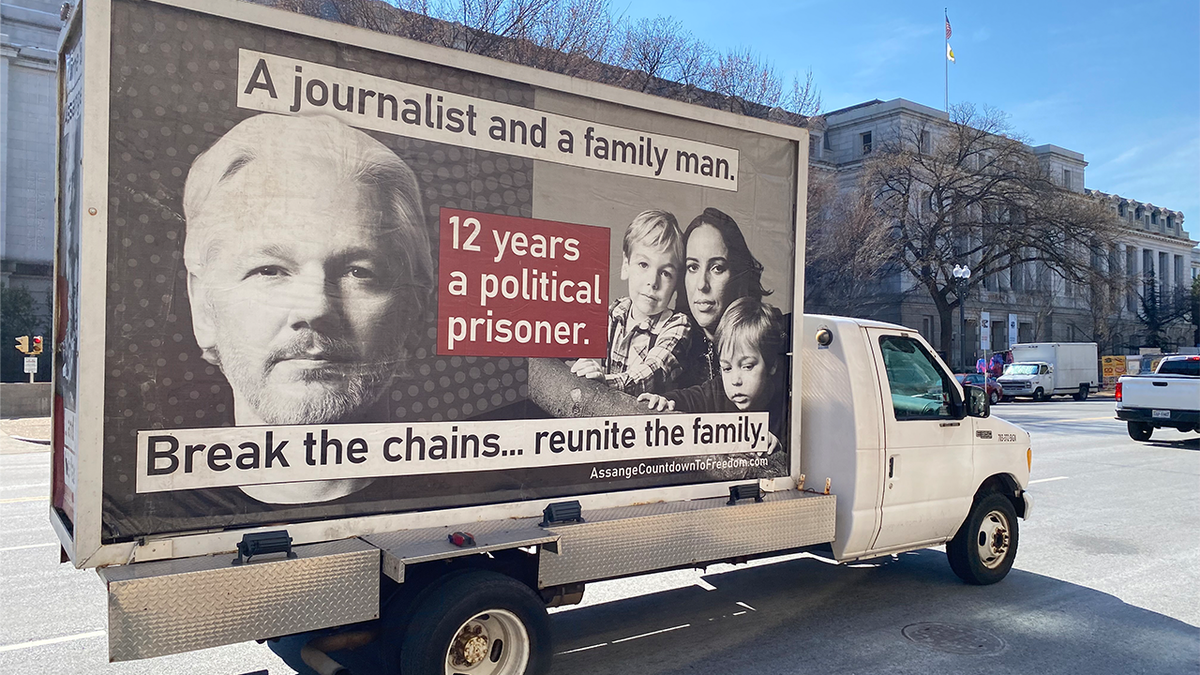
{"type": "Point", "coordinates": [24, 434]}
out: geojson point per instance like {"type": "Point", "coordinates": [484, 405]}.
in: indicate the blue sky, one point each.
{"type": "Point", "coordinates": [1116, 81]}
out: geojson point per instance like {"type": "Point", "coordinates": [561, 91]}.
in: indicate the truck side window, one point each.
{"type": "Point", "coordinates": [1043, 370]}
{"type": "Point", "coordinates": [920, 389]}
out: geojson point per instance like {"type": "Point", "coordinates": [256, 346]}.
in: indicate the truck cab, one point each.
{"type": "Point", "coordinates": [1027, 378]}
{"type": "Point", "coordinates": [909, 450]}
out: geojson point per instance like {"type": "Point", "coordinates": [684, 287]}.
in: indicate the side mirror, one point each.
{"type": "Point", "coordinates": [977, 401]}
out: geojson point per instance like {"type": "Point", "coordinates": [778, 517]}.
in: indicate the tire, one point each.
{"type": "Point", "coordinates": [983, 550]}
{"type": "Point", "coordinates": [994, 398]}
{"type": "Point", "coordinates": [1140, 431]}
{"type": "Point", "coordinates": [1039, 395]}
{"type": "Point", "coordinates": [485, 622]}
{"type": "Point", "coordinates": [1082, 394]}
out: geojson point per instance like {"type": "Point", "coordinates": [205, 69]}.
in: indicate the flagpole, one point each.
{"type": "Point", "coordinates": [946, 63]}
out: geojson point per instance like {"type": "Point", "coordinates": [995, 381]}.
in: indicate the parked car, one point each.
{"type": "Point", "coordinates": [995, 390]}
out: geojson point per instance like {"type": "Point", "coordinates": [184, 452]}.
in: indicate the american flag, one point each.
{"type": "Point", "coordinates": [947, 28]}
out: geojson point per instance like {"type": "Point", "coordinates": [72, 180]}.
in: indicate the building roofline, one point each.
{"type": "Point", "coordinates": [1051, 149]}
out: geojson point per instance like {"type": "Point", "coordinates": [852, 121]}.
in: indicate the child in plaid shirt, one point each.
{"type": "Point", "coordinates": [645, 337]}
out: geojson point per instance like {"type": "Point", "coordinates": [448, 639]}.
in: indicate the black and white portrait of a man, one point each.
{"type": "Point", "coordinates": [308, 267]}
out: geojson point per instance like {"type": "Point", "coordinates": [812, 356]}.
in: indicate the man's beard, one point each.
{"type": "Point", "coordinates": [337, 393]}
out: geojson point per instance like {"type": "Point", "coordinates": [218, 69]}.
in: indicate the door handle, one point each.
{"type": "Point", "coordinates": [948, 424]}
{"type": "Point", "coordinates": [891, 466]}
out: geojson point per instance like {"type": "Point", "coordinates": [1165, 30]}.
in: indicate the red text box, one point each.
{"type": "Point", "coordinates": [511, 286]}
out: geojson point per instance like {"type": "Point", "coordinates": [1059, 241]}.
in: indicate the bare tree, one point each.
{"type": "Point", "coordinates": [742, 75]}
{"type": "Point", "coordinates": [804, 98]}
{"type": "Point", "coordinates": [969, 192]}
{"type": "Point", "coordinates": [1159, 312]}
{"type": "Point", "coordinates": [586, 39]}
{"type": "Point", "coordinates": [650, 48]}
{"type": "Point", "coordinates": [845, 251]}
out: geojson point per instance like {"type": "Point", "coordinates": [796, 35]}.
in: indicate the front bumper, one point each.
{"type": "Point", "coordinates": [1028, 504]}
{"type": "Point", "coordinates": [1011, 388]}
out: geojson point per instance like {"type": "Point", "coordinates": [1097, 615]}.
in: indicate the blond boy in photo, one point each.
{"type": "Point", "coordinates": [645, 336]}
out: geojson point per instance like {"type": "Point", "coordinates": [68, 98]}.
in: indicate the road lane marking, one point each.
{"type": "Point", "coordinates": [657, 632]}
{"type": "Point", "coordinates": [705, 585]}
{"type": "Point", "coordinates": [1047, 480]}
{"type": "Point", "coordinates": [16, 500]}
{"type": "Point", "coordinates": [1081, 419]}
{"type": "Point", "coordinates": [581, 649]}
{"type": "Point", "coordinates": [51, 641]}
{"type": "Point", "coordinates": [21, 548]}
{"type": "Point", "coordinates": [740, 613]}
{"type": "Point", "coordinates": [742, 604]}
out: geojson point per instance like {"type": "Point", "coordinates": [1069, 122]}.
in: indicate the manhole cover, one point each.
{"type": "Point", "coordinates": [944, 637]}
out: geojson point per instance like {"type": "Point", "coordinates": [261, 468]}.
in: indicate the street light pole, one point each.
{"type": "Point", "coordinates": [962, 275]}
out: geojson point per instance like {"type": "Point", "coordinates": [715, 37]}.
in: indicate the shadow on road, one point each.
{"type": "Point", "coordinates": [1178, 444]}
{"type": "Point", "coordinates": [807, 616]}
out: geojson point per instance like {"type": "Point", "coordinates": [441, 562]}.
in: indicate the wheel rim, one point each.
{"type": "Point", "coordinates": [992, 540]}
{"type": "Point", "coordinates": [494, 642]}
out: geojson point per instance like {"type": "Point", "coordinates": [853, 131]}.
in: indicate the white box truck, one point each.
{"type": "Point", "coordinates": [368, 343]}
{"type": "Point", "coordinates": [1040, 370]}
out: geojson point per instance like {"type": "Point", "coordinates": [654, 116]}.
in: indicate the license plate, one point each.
{"type": "Point", "coordinates": [1161, 414]}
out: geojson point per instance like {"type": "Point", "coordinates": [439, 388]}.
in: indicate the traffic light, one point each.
{"type": "Point", "coordinates": [23, 344]}
{"type": "Point", "coordinates": [36, 347]}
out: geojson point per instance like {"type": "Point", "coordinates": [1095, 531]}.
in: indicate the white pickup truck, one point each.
{"type": "Point", "coordinates": [1168, 398]}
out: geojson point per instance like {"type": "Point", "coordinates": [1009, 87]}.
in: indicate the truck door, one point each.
{"type": "Point", "coordinates": [928, 464]}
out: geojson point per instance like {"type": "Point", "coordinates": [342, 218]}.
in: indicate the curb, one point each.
{"type": "Point", "coordinates": [39, 441]}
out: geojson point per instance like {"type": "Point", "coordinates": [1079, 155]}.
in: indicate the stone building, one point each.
{"type": "Point", "coordinates": [28, 42]}
{"type": "Point", "coordinates": [1028, 303]}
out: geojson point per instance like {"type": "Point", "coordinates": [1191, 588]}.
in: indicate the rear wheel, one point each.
{"type": "Point", "coordinates": [994, 398]}
{"type": "Point", "coordinates": [481, 623]}
{"type": "Point", "coordinates": [1082, 394]}
{"type": "Point", "coordinates": [983, 550]}
{"type": "Point", "coordinates": [1140, 431]}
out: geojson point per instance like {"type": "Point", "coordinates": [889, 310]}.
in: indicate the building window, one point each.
{"type": "Point", "coordinates": [812, 147]}
{"type": "Point", "coordinates": [1154, 218]}
{"type": "Point", "coordinates": [826, 144]}
{"type": "Point", "coordinates": [1067, 178]}
{"type": "Point", "coordinates": [926, 142]}
{"type": "Point", "coordinates": [866, 142]}
{"type": "Point", "coordinates": [1170, 222]}
{"type": "Point", "coordinates": [1121, 210]}
{"type": "Point", "coordinates": [1138, 214]}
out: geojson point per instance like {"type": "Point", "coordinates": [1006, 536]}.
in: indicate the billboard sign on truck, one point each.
{"type": "Point", "coordinates": [345, 280]}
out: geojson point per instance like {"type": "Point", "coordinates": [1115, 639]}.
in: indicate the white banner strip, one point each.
{"type": "Point", "coordinates": [279, 84]}
{"type": "Point", "coordinates": [187, 459]}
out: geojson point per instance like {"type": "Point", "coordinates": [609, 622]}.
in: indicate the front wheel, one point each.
{"type": "Point", "coordinates": [1139, 431]}
{"type": "Point", "coordinates": [983, 550]}
{"type": "Point", "coordinates": [1039, 395]}
{"type": "Point", "coordinates": [994, 398]}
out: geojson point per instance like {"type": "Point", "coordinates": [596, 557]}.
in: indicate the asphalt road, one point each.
{"type": "Point", "coordinates": [1106, 581]}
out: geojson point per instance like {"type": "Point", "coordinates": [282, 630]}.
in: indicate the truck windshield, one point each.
{"type": "Point", "coordinates": [1021, 369]}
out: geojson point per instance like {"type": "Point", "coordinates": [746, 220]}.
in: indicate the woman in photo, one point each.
{"type": "Point", "coordinates": [718, 269]}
